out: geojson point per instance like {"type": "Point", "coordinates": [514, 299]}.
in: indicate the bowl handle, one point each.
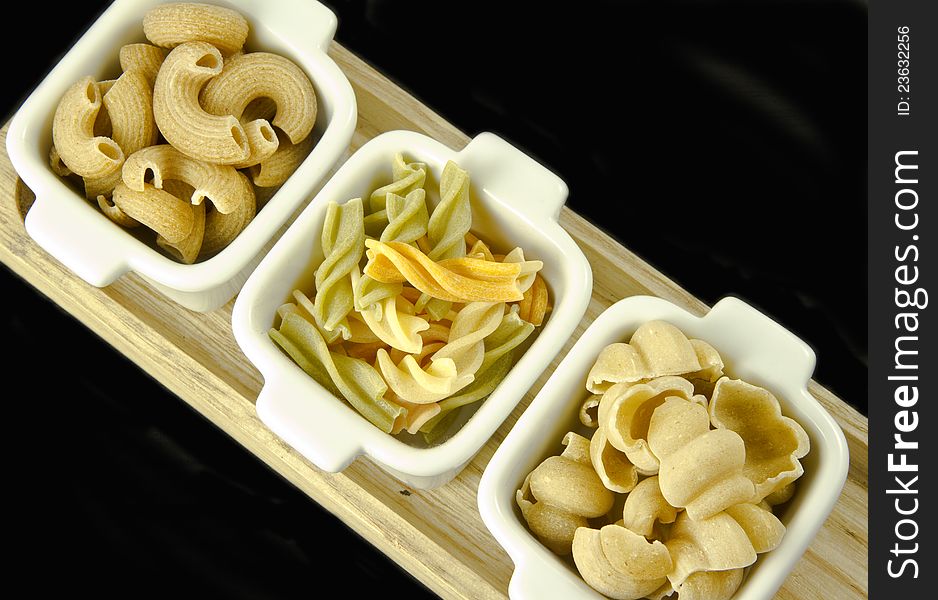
{"type": "Point", "coordinates": [326, 436]}
{"type": "Point", "coordinates": [311, 25]}
{"type": "Point", "coordinates": [537, 581]}
{"type": "Point", "coordinates": [510, 173]}
{"type": "Point", "coordinates": [55, 226]}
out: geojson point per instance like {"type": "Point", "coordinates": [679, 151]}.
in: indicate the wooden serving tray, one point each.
{"type": "Point", "coordinates": [436, 535]}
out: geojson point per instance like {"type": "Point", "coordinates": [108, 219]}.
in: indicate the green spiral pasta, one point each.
{"type": "Point", "coordinates": [343, 242]}
{"type": "Point", "coordinates": [406, 177]}
{"type": "Point", "coordinates": [354, 379]}
{"type": "Point", "coordinates": [407, 217]}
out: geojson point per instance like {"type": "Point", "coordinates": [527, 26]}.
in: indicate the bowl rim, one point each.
{"type": "Point", "coordinates": [250, 328]}
{"type": "Point", "coordinates": [333, 90]}
{"type": "Point", "coordinates": [531, 558]}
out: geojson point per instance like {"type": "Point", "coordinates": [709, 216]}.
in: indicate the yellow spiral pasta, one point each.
{"type": "Point", "coordinates": [466, 347]}
{"type": "Point", "coordinates": [453, 280]}
{"type": "Point", "coordinates": [342, 246]}
{"type": "Point", "coordinates": [416, 385]}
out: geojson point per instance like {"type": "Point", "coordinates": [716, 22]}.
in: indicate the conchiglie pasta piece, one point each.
{"type": "Point", "coordinates": [657, 348]}
{"type": "Point", "coordinates": [774, 443]}
{"type": "Point", "coordinates": [764, 530]}
{"type": "Point", "coordinates": [553, 527]}
{"type": "Point", "coordinates": [635, 569]}
{"type": "Point", "coordinates": [612, 466]}
{"type": "Point", "coordinates": [711, 364]}
{"type": "Point", "coordinates": [571, 486]}
{"type": "Point", "coordinates": [717, 543]}
{"type": "Point", "coordinates": [701, 469]}
{"type": "Point", "coordinates": [645, 506]}
{"type": "Point", "coordinates": [625, 413]}
{"type": "Point", "coordinates": [711, 585]}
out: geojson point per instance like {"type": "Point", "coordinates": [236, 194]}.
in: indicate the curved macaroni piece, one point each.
{"type": "Point", "coordinates": [170, 25]}
{"type": "Point", "coordinates": [535, 303]}
{"type": "Point", "coordinates": [625, 413]}
{"type": "Point", "coordinates": [407, 217]}
{"type": "Point", "coordinates": [187, 250]}
{"type": "Point", "coordinates": [143, 58]}
{"type": "Point", "coordinates": [222, 185]}
{"type": "Point", "coordinates": [248, 77]}
{"type": "Point", "coordinates": [553, 527]}
{"type": "Point", "coordinates": [774, 443]}
{"type": "Point", "coordinates": [342, 246]}
{"type": "Point", "coordinates": [357, 381]}
{"type": "Point", "coordinates": [701, 469]}
{"type": "Point", "coordinates": [102, 186]}
{"type": "Point", "coordinates": [657, 348]}
{"type": "Point", "coordinates": [466, 345]}
{"type": "Point", "coordinates": [613, 467]}
{"type": "Point", "coordinates": [717, 543]}
{"type": "Point", "coordinates": [73, 136]}
{"type": "Point", "coordinates": [416, 385]}
{"type": "Point", "coordinates": [115, 214]}
{"type": "Point", "coordinates": [275, 170]}
{"type": "Point", "coordinates": [55, 163]}
{"type": "Point", "coordinates": [167, 215]}
{"type": "Point", "coordinates": [764, 530]}
{"type": "Point", "coordinates": [221, 228]}
{"type": "Point", "coordinates": [458, 280]}
{"type": "Point", "coordinates": [452, 217]}
{"type": "Point", "coordinates": [620, 563]}
{"type": "Point", "coordinates": [645, 506]}
{"type": "Point", "coordinates": [259, 108]}
{"type": "Point", "coordinates": [711, 585]}
{"type": "Point", "coordinates": [182, 120]}
{"type": "Point", "coordinates": [129, 105]}
{"type": "Point", "coordinates": [262, 141]}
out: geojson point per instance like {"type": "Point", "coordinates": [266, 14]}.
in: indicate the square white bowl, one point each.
{"type": "Point", "coordinates": [515, 202]}
{"type": "Point", "coordinates": [83, 239]}
{"type": "Point", "coordinates": [754, 348]}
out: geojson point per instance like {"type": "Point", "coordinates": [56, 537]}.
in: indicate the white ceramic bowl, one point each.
{"type": "Point", "coordinates": [88, 243]}
{"type": "Point", "coordinates": [515, 202]}
{"type": "Point", "coordinates": [754, 348]}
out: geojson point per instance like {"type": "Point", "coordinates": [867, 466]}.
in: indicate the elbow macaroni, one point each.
{"type": "Point", "coordinates": [73, 133]}
{"type": "Point", "coordinates": [170, 25]}
{"type": "Point", "coordinates": [188, 127]}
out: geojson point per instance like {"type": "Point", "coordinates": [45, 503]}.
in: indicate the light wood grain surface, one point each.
{"type": "Point", "coordinates": [436, 535]}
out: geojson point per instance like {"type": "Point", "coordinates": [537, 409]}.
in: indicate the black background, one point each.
{"type": "Point", "coordinates": [724, 142]}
